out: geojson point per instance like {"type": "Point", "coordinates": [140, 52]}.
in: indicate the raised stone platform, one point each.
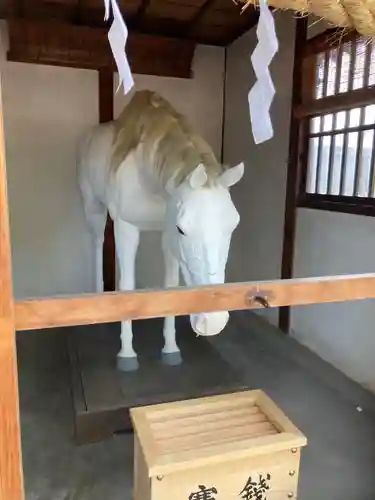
{"type": "Point", "coordinates": [102, 394]}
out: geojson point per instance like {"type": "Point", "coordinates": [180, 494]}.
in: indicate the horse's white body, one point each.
{"type": "Point", "coordinates": [138, 200]}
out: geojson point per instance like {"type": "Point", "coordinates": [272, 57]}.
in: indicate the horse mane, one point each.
{"type": "Point", "coordinates": [168, 142]}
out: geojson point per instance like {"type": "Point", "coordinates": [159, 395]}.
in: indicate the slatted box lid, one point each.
{"type": "Point", "coordinates": [194, 433]}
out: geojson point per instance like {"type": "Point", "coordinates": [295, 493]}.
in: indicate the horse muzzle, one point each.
{"type": "Point", "coordinates": [207, 324]}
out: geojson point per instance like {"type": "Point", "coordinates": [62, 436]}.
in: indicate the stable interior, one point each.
{"type": "Point", "coordinates": [321, 374]}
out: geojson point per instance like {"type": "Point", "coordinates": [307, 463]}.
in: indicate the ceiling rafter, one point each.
{"type": "Point", "coordinates": [252, 20]}
{"type": "Point", "coordinates": [199, 14]}
{"type": "Point", "coordinates": [82, 47]}
{"type": "Point", "coordinates": [213, 22]}
{"type": "Point", "coordinates": [11, 8]}
{"type": "Point", "coordinates": [79, 17]}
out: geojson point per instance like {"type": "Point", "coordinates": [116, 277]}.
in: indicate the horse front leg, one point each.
{"type": "Point", "coordinates": [170, 353]}
{"type": "Point", "coordinates": [127, 241]}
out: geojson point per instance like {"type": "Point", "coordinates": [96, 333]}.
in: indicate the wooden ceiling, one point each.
{"type": "Point", "coordinates": [213, 22]}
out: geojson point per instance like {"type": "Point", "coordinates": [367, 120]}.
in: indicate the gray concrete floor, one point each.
{"type": "Point", "coordinates": [338, 463]}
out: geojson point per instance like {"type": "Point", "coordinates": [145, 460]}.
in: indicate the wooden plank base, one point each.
{"type": "Point", "coordinates": [102, 395]}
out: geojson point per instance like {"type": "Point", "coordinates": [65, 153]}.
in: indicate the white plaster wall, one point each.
{"type": "Point", "coordinates": [46, 109]}
{"type": "Point", "coordinates": [333, 244]}
{"type": "Point", "coordinates": [201, 100]}
{"type": "Point", "coordinates": [326, 243]}
{"type": "Point", "coordinates": [343, 334]}
{"type": "Point", "coordinates": [260, 196]}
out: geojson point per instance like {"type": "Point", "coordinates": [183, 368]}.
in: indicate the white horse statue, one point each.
{"type": "Point", "coordinates": [151, 171]}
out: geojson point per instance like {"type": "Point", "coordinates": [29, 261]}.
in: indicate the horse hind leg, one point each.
{"type": "Point", "coordinates": [96, 216]}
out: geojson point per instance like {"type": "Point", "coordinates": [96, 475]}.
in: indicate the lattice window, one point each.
{"type": "Point", "coordinates": [338, 122]}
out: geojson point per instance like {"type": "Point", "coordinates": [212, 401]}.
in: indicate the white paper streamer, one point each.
{"type": "Point", "coordinates": [261, 95]}
{"type": "Point", "coordinates": [117, 36]}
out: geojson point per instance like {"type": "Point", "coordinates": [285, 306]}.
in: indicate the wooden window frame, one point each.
{"type": "Point", "coordinates": [310, 107]}
{"type": "Point", "coordinates": [87, 309]}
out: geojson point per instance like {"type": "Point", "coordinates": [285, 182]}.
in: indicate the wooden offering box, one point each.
{"type": "Point", "coordinates": [217, 448]}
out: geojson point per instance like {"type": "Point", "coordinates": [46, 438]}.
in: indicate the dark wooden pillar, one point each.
{"type": "Point", "coordinates": [293, 169]}
{"type": "Point", "coordinates": [106, 115]}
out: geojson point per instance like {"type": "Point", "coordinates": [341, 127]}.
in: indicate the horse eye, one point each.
{"type": "Point", "coordinates": [180, 231]}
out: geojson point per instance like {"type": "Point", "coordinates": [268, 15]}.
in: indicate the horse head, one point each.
{"type": "Point", "coordinates": [200, 220]}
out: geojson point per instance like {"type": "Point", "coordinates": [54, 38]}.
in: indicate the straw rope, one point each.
{"type": "Point", "coordinates": [358, 14]}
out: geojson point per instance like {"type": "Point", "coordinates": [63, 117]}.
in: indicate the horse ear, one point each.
{"type": "Point", "coordinates": [231, 176]}
{"type": "Point", "coordinates": [198, 177]}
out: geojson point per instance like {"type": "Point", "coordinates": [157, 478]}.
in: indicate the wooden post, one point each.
{"type": "Point", "coordinates": [293, 161]}
{"type": "Point", "coordinates": [106, 115]}
{"type": "Point", "coordinates": [11, 478]}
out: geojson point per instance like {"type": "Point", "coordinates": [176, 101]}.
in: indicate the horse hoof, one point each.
{"type": "Point", "coordinates": [171, 358]}
{"type": "Point", "coordinates": [127, 364]}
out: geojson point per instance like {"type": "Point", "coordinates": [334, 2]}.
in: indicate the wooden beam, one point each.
{"type": "Point", "coordinates": [190, 25]}
{"type": "Point", "coordinates": [177, 29]}
{"type": "Point", "coordinates": [340, 102]}
{"type": "Point", "coordinates": [105, 95]}
{"type": "Point", "coordinates": [11, 479]}
{"type": "Point", "coordinates": [293, 169]}
{"type": "Point", "coordinates": [83, 47]}
{"type": "Point", "coordinates": [342, 204]}
{"type": "Point", "coordinates": [106, 115]}
{"type": "Point", "coordinates": [106, 308]}
{"type": "Point", "coordinates": [224, 104]}
{"type": "Point", "coordinates": [252, 19]}
{"type": "Point", "coordinates": [140, 13]}
{"type": "Point", "coordinates": [79, 14]}
{"type": "Point", "coordinates": [11, 8]}
{"type": "Point", "coordinates": [62, 12]}
{"type": "Point", "coordinates": [329, 39]}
